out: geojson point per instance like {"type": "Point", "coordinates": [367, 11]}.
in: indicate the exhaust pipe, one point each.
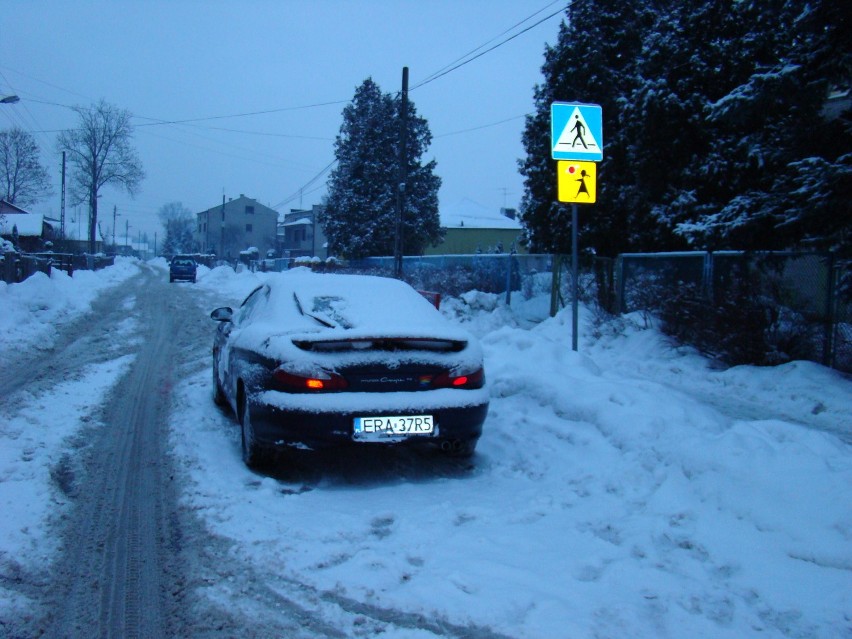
{"type": "Point", "coordinates": [452, 445]}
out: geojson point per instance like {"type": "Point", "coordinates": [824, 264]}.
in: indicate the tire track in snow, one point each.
{"type": "Point", "coordinates": [117, 566]}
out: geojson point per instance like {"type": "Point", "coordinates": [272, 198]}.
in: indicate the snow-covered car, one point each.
{"type": "Point", "coordinates": [316, 360]}
{"type": "Point", "coordinates": [182, 267]}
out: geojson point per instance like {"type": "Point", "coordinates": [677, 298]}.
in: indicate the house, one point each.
{"type": "Point", "coordinates": [31, 231]}
{"type": "Point", "coordinates": [300, 234]}
{"type": "Point", "coordinates": [236, 225]}
{"type": "Point", "coordinates": [471, 228]}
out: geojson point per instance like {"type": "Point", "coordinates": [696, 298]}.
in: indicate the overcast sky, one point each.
{"type": "Point", "coordinates": [299, 63]}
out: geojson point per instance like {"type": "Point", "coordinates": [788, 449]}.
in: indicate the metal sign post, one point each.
{"type": "Point", "coordinates": [577, 143]}
{"type": "Point", "coordinates": [575, 305]}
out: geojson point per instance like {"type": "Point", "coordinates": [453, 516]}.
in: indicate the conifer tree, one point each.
{"type": "Point", "coordinates": [715, 128]}
{"type": "Point", "coordinates": [593, 61]}
{"type": "Point", "coordinates": [360, 213]}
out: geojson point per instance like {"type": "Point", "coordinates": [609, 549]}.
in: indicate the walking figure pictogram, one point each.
{"type": "Point", "coordinates": [581, 133]}
{"type": "Point", "coordinates": [583, 187]}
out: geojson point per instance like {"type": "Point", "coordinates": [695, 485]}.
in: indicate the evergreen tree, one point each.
{"type": "Point", "coordinates": [360, 213]}
{"type": "Point", "coordinates": [593, 61]}
{"type": "Point", "coordinates": [760, 168]}
{"type": "Point", "coordinates": [714, 125]}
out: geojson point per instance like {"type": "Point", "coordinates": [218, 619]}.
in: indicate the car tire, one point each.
{"type": "Point", "coordinates": [218, 395]}
{"type": "Point", "coordinates": [171, 280]}
{"type": "Point", "coordinates": [254, 454]}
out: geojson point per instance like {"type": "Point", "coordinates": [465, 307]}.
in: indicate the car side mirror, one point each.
{"type": "Point", "coordinates": [223, 314]}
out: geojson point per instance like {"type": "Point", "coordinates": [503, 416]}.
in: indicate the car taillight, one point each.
{"type": "Point", "coordinates": [471, 380]}
{"type": "Point", "coordinates": [319, 382]}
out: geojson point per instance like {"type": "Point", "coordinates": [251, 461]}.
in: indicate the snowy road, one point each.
{"type": "Point", "coordinates": [627, 491]}
{"type": "Point", "coordinates": [132, 562]}
{"type": "Point", "coordinates": [119, 538]}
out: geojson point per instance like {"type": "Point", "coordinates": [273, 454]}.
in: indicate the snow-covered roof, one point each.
{"type": "Point", "coordinates": [469, 214]}
{"type": "Point", "coordinates": [304, 221]}
{"type": "Point", "coordinates": [29, 224]}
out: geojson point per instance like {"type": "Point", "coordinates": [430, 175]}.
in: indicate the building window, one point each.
{"type": "Point", "coordinates": [248, 228]}
{"type": "Point", "coordinates": [249, 210]}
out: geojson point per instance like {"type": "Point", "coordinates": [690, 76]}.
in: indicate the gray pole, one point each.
{"type": "Point", "coordinates": [62, 208]}
{"type": "Point", "coordinates": [222, 241]}
{"type": "Point", "coordinates": [403, 160]}
{"type": "Point", "coordinates": [575, 286]}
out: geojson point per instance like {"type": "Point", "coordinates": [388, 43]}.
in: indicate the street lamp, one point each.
{"type": "Point", "coordinates": [9, 99]}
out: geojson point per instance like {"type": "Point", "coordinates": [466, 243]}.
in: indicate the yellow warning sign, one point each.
{"type": "Point", "coordinates": [576, 181]}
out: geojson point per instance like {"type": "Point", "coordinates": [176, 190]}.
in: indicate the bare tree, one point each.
{"type": "Point", "coordinates": [100, 153]}
{"type": "Point", "coordinates": [23, 179]}
{"type": "Point", "coordinates": [179, 222]}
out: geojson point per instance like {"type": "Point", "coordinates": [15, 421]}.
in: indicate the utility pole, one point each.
{"type": "Point", "coordinates": [114, 209]}
{"type": "Point", "coordinates": [126, 233]}
{"type": "Point", "coordinates": [62, 206]}
{"type": "Point", "coordinates": [402, 174]}
{"type": "Point", "coordinates": [222, 242]}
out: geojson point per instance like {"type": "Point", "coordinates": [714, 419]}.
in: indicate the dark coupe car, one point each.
{"type": "Point", "coordinates": [182, 267]}
{"type": "Point", "coordinates": [317, 360]}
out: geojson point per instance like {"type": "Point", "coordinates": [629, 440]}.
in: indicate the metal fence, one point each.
{"type": "Point", "coordinates": [804, 298]}
{"type": "Point", "coordinates": [451, 275]}
{"type": "Point", "coordinates": [16, 267]}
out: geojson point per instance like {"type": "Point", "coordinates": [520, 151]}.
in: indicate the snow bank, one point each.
{"type": "Point", "coordinates": [34, 308]}
{"type": "Point", "coordinates": [628, 490]}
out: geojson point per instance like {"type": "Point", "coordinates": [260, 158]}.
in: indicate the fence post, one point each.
{"type": "Point", "coordinates": [709, 276]}
{"type": "Point", "coordinates": [618, 274]}
{"type": "Point", "coordinates": [828, 341]}
{"type": "Point", "coordinates": [555, 280]}
{"type": "Point", "coordinates": [508, 279]}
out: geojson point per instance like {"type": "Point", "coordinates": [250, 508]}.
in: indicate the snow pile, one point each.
{"type": "Point", "coordinates": [34, 308]}
{"type": "Point", "coordinates": [625, 491]}
{"type": "Point", "coordinates": [628, 490]}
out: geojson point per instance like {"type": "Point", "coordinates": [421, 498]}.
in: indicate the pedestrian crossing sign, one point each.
{"type": "Point", "coordinates": [576, 181]}
{"type": "Point", "coordinates": [576, 131]}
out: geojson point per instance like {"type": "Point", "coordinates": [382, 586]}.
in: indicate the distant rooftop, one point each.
{"type": "Point", "coordinates": [469, 214]}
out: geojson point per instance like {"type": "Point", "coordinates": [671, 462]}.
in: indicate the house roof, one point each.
{"type": "Point", "coordinates": [8, 207]}
{"type": "Point", "coordinates": [300, 222]}
{"type": "Point", "coordinates": [467, 213]}
{"type": "Point", "coordinates": [29, 224]}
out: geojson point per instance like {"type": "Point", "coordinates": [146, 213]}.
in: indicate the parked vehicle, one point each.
{"type": "Point", "coordinates": [316, 360]}
{"type": "Point", "coordinates": [182, 267]}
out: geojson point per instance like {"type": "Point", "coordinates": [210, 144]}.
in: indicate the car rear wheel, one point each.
{"type": "Point", "coordinates": [254, 454]}
{"type": "Point", "coordinates": [218, 395]}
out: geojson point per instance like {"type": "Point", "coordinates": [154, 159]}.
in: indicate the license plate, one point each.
{"type": "Point", "coordinates": [395, 426]}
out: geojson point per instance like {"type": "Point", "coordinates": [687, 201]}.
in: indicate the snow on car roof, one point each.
{"type": "Point", "coordinates": [346, 306]}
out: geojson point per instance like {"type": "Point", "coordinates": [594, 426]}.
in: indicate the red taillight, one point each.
{"type": "Point", "coordinates": [472, 380]}
{"type": "Point", "coordinates": [324, 382]}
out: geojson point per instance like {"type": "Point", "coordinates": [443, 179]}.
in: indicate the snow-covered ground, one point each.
{"type": "Point", "coordinates": [628, 490]}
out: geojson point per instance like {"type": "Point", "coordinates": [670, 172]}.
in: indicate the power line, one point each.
{"type": "Point", "coordinates": [159, 122]}
{"type": "Point", "coordinates": [301, 190]}
{"type": "Point", "coordinates": [467, 60]}
{"type": "Point", "coordinates": [485, 44]}
{"type": "Point", "coordinates": [483, 126]}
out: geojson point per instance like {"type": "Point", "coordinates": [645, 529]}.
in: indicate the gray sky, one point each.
{"type": "Point", "coordinates": [191, 60]}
